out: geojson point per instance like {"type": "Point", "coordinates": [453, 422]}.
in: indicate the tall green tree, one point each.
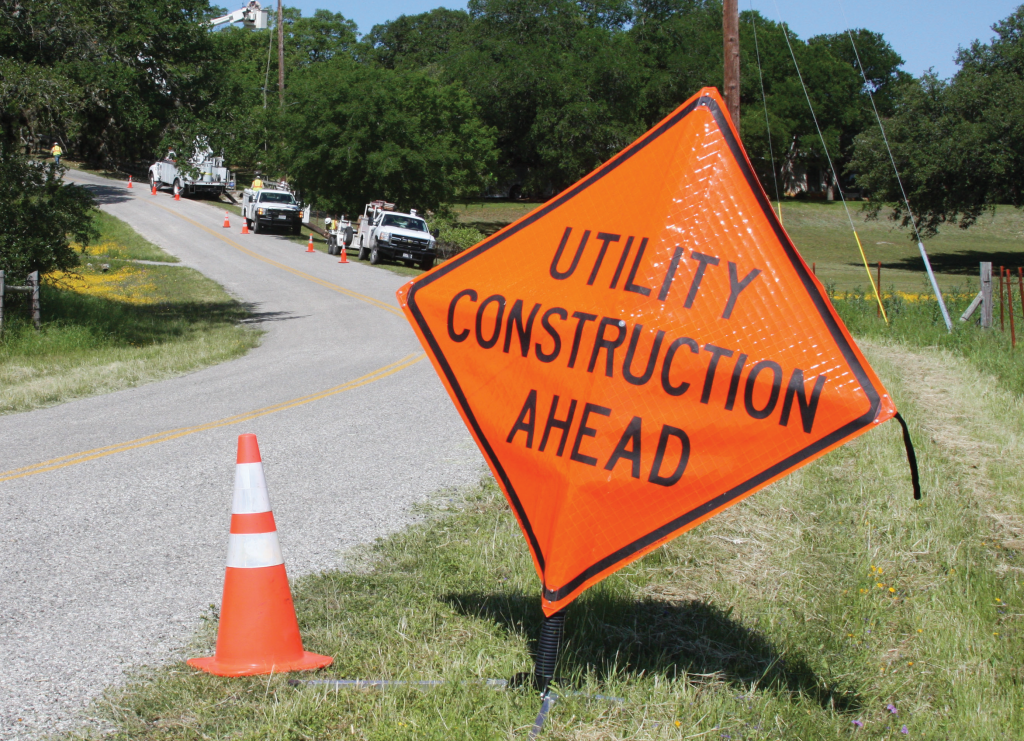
{"type": "Point", "coordinates": [357, 132]}
{"type": "Point", "coordinates": [958, 144]}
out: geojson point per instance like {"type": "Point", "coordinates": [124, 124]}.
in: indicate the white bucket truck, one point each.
{"type": "Point", "coordinates": [384, 234]}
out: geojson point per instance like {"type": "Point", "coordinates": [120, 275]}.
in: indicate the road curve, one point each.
{"type": "Point", "coordinates": [114, 510]}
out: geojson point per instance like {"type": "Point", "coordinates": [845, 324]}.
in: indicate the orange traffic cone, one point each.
{"type": "Point", "coordinates": [153, 193]}
{"type": "Point", "coordinates": [245, 225]}
{"type": "Point", "coordinates": [258, 631]}
{"type": "Point", "coordinates": [177, 193]}
{"type": "Point", "coordinates": [129, 181]}
{"type": "Point", "coordinates": [227, 224]}
{"type": "Point", "coordinates": [344, 255]}
{"type": "Point", "coordinates": [309, 247]}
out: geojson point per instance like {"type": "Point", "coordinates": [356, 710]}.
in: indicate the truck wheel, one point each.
{"type": "Point", "coordinates": [297, 229]}
{"type": "Point", "coordinates": [427, 263]}
{"type": "Point", "coordinates": [255, 226]}
{"type": "Point", "coordinates": [363, 252]}
{"type": "Point", "coordinates": [375, 256]}
{"type": "Point", "coordinates": [348, 236]}
{"type": "Point", "coordinates": [177, 184]}
{"type": "Point", "coordinates": [332, 245]}
{"type": "Point", "coordinates": [152, 181]}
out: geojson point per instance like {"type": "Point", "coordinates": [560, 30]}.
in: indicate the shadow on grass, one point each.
{"type": "Point", "coordinates": [611, 635]}
{"type": "Point", "coordinates": [957, 263]}
{"type": "Point", "coordinates": [103, 322]}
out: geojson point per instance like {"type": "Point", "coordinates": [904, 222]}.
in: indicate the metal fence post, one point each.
{"type": "Point", "coordinates": [986, 295]}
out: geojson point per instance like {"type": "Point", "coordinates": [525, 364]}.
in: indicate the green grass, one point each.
{"type": "Point", "coordinates": [105, 330]}
{"type": "Point", "coordinates": [814, 604]}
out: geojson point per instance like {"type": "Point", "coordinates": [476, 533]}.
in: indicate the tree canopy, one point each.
{"type": "Point", "coordinates": [958, 144]}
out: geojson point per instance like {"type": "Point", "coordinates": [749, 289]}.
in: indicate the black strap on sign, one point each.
{"type": "Point", "coordinates": [915, 478]}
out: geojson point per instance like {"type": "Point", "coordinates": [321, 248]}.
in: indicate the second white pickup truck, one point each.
{"type": "Point", "coordinates": [269, 209]}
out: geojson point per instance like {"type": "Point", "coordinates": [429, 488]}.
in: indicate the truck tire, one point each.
{"type": "Point", "coordinates": [177, 184]}
{"type": "Point", "coordinates": [152, 181]}
{"type": "Point", "coordinates": [348, 236]}
{"type": "Point", "coordinates": [363, 252]}
{"type": "Point", "coordinates": [427, 263]}
{"type": "Point", "coordinates": [297, 229]}
{"type": "Point", "coordinates": [255, 226]}
{"type": "Point", "coordinates": [332, 245]}
{"type": "Point", "coordinates": [375, 256]}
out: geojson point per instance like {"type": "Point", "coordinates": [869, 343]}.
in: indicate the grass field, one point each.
{"type": "Point", "coordinates": [107, 328]}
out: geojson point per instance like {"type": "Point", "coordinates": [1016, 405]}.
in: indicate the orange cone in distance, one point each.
{"type": "Point", "coordinates": [177, 193]}
{"type": "Point", "coordinates": [227, 224]}
{"type": "Point", "coordinates": [129, 181]}
{"type": "Point", "coordinates": [344, 255]}
{"type": "Point", "coordinates": [258, 632]}
{"type": "Point", "coordinates": [309, 247]}
{"type": "Point", "coordinates": [245, 225]}
{"type": "Point", "coordinates": [153, 186]}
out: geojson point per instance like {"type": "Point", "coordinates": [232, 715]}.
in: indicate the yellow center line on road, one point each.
{"type": "Point", "coordinates": [161, 437]}
{"type": "Point", "coordinates": [306, 276]}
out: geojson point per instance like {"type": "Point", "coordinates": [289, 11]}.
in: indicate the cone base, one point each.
{"type": "Point", "coordinates": [308, 661]}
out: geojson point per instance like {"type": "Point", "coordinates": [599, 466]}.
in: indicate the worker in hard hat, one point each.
{"type": "Point", "coordinates": [257, 184]}
{"type": "Point", "coordinates": [56, 151]}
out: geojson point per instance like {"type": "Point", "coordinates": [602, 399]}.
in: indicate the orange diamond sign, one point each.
{"type": "Point", "coordinates": [643, 351]}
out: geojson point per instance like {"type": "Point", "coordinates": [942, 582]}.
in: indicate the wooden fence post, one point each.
{"type": "Point", "coordinates": [33, 281]}
{"type": "Point", "coordinates": [986, 295]}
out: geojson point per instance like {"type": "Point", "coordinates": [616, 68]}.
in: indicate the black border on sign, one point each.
{"type": "Point", "coordinates": [722, 499]}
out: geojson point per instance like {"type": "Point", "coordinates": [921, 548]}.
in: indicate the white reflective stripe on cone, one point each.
{"type": "Point", "coordinates": [250, 490]}
{"type": "Point", "coordinates": [254, 551]}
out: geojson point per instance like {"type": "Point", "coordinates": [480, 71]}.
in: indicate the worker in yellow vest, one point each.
{"type": "Point", "coordinates": [257, 184]}
{"type": "Point", "coordinates": [56, 152]}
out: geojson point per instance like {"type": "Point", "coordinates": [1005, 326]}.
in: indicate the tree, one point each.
{"type": "Point", "coordinates": [40, 213]}
{"type": "Point", "coordinates": [958, 145]}
{"type": "Point", "coordinates": [358, 132]}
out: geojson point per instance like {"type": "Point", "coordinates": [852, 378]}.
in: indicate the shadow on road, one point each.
{"type": "Point", "coordinates": [257, 317]}
{"type": "Point", "coordinates": [108, 194]}
{"type": "Point", "coordinates": [606, 634]}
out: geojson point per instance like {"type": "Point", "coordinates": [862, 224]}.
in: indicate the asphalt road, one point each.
{"type": "Point", "coordinates": [114, 510]}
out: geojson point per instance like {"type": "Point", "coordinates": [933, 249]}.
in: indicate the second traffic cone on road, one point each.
{"type": "Point", "coordinates": [227, 224]}
{"type": "Point", "coordinates": [258, 631]}
{"type": "Point", "coordinates": [129, 181]}
{"type": "Point", "coordinates": [309, 247]}
{"type": "Point", "coordinates": [344, 254]}
{"type": "Point", "coordinates": [245, 225]}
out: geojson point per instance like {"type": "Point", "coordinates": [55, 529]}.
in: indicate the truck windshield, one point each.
{"type": "Point", "coordinates": [276, 198]}
{"type": "Point", "coordinates": [404, 222]}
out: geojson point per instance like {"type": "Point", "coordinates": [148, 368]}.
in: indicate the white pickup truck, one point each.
{"type": "Point", "coordinates": [268, 209]}
{"type": "Point", "coordinates": [384, 234]}
{"type": "Point", "coordinates": [213, 177]}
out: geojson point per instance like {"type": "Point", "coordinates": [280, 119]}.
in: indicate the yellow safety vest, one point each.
{"type": "Point", "coordinates": [56, 151]}
{"type": "Point", "coordinates": [257, 184]}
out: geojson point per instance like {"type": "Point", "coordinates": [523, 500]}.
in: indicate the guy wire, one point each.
{"type": "Point", "coordinates": [899, 180]}
{"type": "Point", "coordinates": [764, 100]}
{"type": "Point", "coordinates": [835, 175]}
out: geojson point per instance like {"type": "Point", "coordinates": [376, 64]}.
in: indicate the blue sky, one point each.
{"type": "Point", "coordinates": [925, 33]}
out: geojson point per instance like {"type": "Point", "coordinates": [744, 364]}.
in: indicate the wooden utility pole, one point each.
{"type": "Point", "coordinates": [280, 54]}
{"type": "Point", "coordinates": [731, 35]}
